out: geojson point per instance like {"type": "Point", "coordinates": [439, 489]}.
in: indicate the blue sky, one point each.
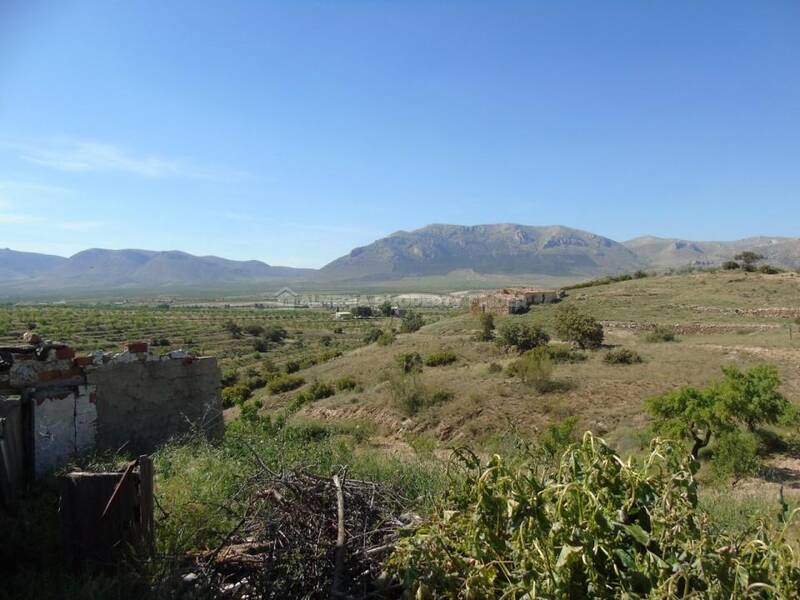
{"type": "Point", "coordinates": [293, 131]}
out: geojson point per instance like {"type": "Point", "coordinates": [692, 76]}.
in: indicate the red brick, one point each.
{"type": "Point", "coordinates": [137, 347]}
{"type": "Point", "coordinates": [65, 353]}
{"type": "Point", "coordinates": [83, 361]}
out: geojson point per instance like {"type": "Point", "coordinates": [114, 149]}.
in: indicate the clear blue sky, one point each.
{"type": "Point", "coordinates": [293, 131]}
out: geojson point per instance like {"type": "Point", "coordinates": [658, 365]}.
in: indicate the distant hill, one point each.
{"type": "Point", "coordinates": [483, 249]}
{"type": "Point", "coordinates": [15, 266]}
{"type": "Point", "coordinates": [436, 256]}
{"type": "Point", "coordinates": [671, 252]}
{"type": "Point", "coordinates": [98, 269]}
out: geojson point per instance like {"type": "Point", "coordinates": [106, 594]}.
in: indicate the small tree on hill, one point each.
{"type": "Point", "coordinates": [521, 336]}
{"type": "Point", "coordinates": [748, 398]}
{"type": "Point", "coordinates": [748, 259]}
{"type": "Point", "coordinates": [752, 397]}
{"type": "Point", "coordinates": [486, 334]}
{"type": "Point", "coordinates": [579, 328]}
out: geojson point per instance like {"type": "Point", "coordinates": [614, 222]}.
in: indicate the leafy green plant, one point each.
{"type": "Point", "coordinates": [622, 356]}
{"type": "Point", "coordinates": [521, 336]}
{"type": "Point", "coordinates": [372, 335]}
{"type": "Point", "coordinates": [495, 368]}
{"type": "Point", "coordinates": [591, 525]}
{"type": "Point", "coordinates": [562, 353]}
{"type": "Point", "coordinates": [284, 383]}
{"type": "Point", "coordinates": [439, 359]}
{"type": "Point", "coordinates": [534, 368]}
{"type": "Point", "coordinates": [410, 362]}
{"type": "Point", "coordinates": [579, 328]}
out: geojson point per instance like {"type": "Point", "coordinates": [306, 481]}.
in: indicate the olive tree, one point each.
{"type": "Point", "coordinates": [577, 327]}
{"type": "Point", "coordinates": [521, 336]}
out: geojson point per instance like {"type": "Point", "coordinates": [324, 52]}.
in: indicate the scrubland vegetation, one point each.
{"type": "Point", "coordinates": [685, 483]}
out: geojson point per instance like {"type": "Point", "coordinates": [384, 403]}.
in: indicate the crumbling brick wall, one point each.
{"type": "Point", "coordinates": [132, 401]}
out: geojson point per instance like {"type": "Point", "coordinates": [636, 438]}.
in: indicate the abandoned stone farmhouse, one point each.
{"type": "Point", "coordinates": [511, 301]}
{"type": "Point", "coordinates": [55, 406]}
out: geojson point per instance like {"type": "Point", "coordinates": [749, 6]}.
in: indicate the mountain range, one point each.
{"type": "Point", "coordinates": [477, 253]}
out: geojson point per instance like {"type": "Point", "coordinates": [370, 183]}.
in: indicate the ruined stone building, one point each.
{"type": "Point", "coordinates": [511, 301]}
{"type": "Point", "coordinates": [55, 406]}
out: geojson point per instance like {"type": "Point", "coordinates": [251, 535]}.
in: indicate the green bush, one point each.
{"type": "Point", "coordinates": [521, 336]}
{"type": "Point", "coordinates": [561, 353]}
{"type": "Point", "coordinates": [292, 366]}
{"type": "Point", "coordinates": [411, 322]}
{"type": "Point", "coordinates": [486, 334]}
{"type": "Point", "coordinates": [736, 455]}
{"type": "Point", "coordinates": [386, 338]}
{"type": "Point", "coordinates": [440, 359]}
{"type": "Point", "coordinates": [410, 362]}
{"type": "Point", "coordinates": [408, 394]}
{"type": "Point", "coordinates": [769, 270]}
{"type": "Point", "coordinates": [440, 397]}
{"type": "Point", "coordinates": [495, 368]}
{"type": "Point", "coordinates": [731, 265]}
{"type": "Point", "coordinates": [284, 383]}
{"type": "Point", "coordinates": [581, 329]}
{"type": "Point", "coordinates": [260, 345]}
{"type": "Point", "coordinates": [372, 335]}
{"type": "Point", "coordinates": [346, 384]}
{"type": "Point", "coordinates": [274, 333]}
{"type": "Point", "coordinates": [319, 390]}
{"type": "Point", "coordinates": [660, 334]}
{"type": "Point", "coordinates": [534, 368]}
{"type": "Point", "coordinates": [591, 525]}
{"type": "Point", "coordinates": [622, 356]}
{"type": "Point", "coordinates": [235, 394]}
{"type": "Point", "coordinates": [253, 329]}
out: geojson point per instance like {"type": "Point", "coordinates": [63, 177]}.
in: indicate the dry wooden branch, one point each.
{"type": "Point", "coordinates": [340, 540]}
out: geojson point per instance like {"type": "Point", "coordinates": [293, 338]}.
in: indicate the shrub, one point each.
{"type": "Point", "coordinates": [346, 384]}
{"type": "Point", "coordinates": [326, 340]}
{"type": "Point", "coordinates": [410, 362]}
{"type": "Point", "coordinates": [495, 368]}
{"type": "Point", "coordinates": [229, 377]}
{"type": "Point", "coordinates": [660, 334]}
{"type": "Point", "coordinates": [233, 328]}
{"type": "Point", "coordinates": [731, 265]}
{"type": "Point", "coordinates": [292, 366]}
{"type": "Point", "coordinates": [769, 270]}
{"type": "Point", "coordinates": [284, 383]}
{"type": "Point", "coordinates": [590, 525]}
{"type": "Point", "coordinates": [254, 330]}
{"type": "Point", "coordinates": [622, 356]}
{"type": "Point", "coordinates": [412, 321]}
{"type": "Point", "coordinates": [736, 455]}
{"type": "Point", "coordinates": [561, 353]}
{"type": "Point", "coordinates": [534, 368]}
{"type": "Point", "coordinates": [439, 359]}
{"type": "Point", "coordinates": [235, 394]}
{"type": "Point", "coordinates": [748, 259]}
{"type": "Point", "coordinates": [319, 390]}
{"type": "Point", "coordinates": [372, 335]}
{"type": "Point", "coordinates": [486, 334]}
{"type": "Point", "coordinates": [386, 338]}
{"type": "Point", "coordinates": [581, 329]}
{"type": "Point", "coordinates": [260, 345]}
{"type": "Point", "coordinates": [408, 394]}
{"type": "Point", "coordinates": [521, 336]}
{"type": "Point", "coordinates": [275, 334]}
{"type": "Point", "coordinates": [556, 438]}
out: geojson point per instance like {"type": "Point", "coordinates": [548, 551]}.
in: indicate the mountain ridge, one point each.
{"type": "Point", "coordinates": [477, 252]}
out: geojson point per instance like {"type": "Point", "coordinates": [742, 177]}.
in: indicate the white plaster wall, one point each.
{"type": "Point", "coordinates": [64, 426]}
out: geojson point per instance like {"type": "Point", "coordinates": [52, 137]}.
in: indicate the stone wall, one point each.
{"type": "Point", "coordinates": [142, 404]}
{"type": "Point", "coordinates": [133, 400]}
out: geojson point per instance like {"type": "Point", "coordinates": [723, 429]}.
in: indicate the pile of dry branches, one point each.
{"type": "Point", "coordinates": [305, 536]}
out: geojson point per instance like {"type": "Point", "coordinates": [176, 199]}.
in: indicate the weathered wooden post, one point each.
{"type": "Point", "coordinates": [107, 516]}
